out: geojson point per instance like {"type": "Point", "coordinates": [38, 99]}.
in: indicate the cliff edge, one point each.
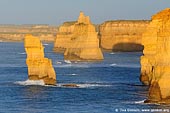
{"type": "Point", "coordinates": [155, 63]}
{"type": "Point", "coordinates": [122, 35]}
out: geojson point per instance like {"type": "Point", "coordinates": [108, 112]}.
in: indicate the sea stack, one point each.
{"type": "Point", "coordinates": [155, 63]}
{"type": "Point", "coordinates": [80, 40]}
{"type": "Point", "coordinates": [63, 38]}
{"type": "Point", "coordinates": [122, 35]}
{"type": "Point", "coordinates": [39, 67]}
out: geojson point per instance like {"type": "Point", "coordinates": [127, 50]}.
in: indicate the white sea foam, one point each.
{"type": "Point", "coordinates": [41, 83]}
{"type": "Point", "coordinates": [31, 82]}
{"type": "Point", "coordinates": [139, 102]}
{"type": "Point", "coordinates": [113, 64]}
{"type": "Point", "coordinates": [112, 53]}
{"type": "Point", "coordinates": [59, 62]}
{"type": "Point", "coordinates": [45, 44]}
{"type": "Point", "coordinates": [73, 74]}
{"type": "Point", "coordinates": [67, 61]}
{"type": "Point", "coordinates": [143, 102]}
{"type": "Point", "coordinates": [83, 85]}
{"type": "Point", "coordinates": [125, 65]}
{"type": "Point", "coordinates": [91, 85]}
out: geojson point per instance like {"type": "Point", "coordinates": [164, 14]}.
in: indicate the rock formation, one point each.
{"type": "Point", "coordinates": [39, 67]}
{"type": "Point", "coordinates": [79, 40]}
{"type": "Point", "coordinates": [63, 38]}
{"type": "Point", "coordinates": [122, 35]}
{"type": "Point", "coordinates": [155, 63]}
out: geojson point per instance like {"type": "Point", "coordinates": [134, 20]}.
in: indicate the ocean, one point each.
{"type": "Point", "coordinates": [109, 86]}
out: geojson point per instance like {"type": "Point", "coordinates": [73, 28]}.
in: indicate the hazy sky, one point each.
{"type": "Point", "coordinates": [57, 11]}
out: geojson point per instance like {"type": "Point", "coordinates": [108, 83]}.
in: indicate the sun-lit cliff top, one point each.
{"type": "Point", "coordinates": [69, 23]}
{"type": "Point", "coordinates": [127, 21]}
{"type": "Point", "coordinates": [164, 14]}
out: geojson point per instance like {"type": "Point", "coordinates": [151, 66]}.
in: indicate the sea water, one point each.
{"type": "Point", "coordinates": [109, 86]}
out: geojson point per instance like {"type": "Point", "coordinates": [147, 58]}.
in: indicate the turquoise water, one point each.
{"type": "Point", "coordinates": [109, 86]}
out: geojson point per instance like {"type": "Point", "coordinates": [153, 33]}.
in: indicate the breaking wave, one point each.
{"type": "Point", "coordinates": [31, 82]}
{"type": "Point", "coordinates": [143, 102]}
{"type": "Point", "coordinates": [61, 85]}
{"type": "Point", "coordinates": [67, 61]}
{"type": "Point", "coordinates": [113, 64]}
{"type": "Point", "coordinates": [139, 102]}
{"type": "Point", "coordinates": [92, 85]}
{"type": "Point", "coordinates": [83, 85]}
{"type": "Point", "coordinates": [112, 53]}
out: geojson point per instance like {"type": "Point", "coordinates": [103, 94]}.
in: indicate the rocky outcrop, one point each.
{"type": "Point", "coordinates": [39, 67]}
{"type": "Point", "coordinates": [79, 40]}
{"type": "Point", "coordinates": [155, 63]}
{"type": "Point", "coordinates": [64, 35]}
{"type": "Point", "coordinates": [122, 35]}
{"type": "Point", "coordinates": [16, 33]}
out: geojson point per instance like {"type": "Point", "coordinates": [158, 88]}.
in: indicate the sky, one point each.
{"type": "Point", "coordinates": [55, 12]}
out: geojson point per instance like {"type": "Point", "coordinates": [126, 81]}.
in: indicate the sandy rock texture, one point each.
{"type": "Point", "coordinates": [79, 40]}
{"type": "Point", "coordinates": [122, 35]}
{"type": "Point", "coordinates": [39, 67]}
{"type": "Point", "coordinates": [155, 63]}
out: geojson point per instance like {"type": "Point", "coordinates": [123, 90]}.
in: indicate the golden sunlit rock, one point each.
{"type": "Point", "coordinates": [16, 33]}
{"type": "Point", "coordinates": [122, 35]}
{"type": "Point", "coordinates": [79, 40]}
{"type": "Point", "coordinates": [155, 63]}
{"type": "Point", "coordinates": [39, 67]}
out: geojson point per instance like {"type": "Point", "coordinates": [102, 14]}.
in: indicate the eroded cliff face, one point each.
{"type": "Point", "coordinates": [79, 40]}
{"type": "Point", "coordinates": [122, 35]}
{"type": "Point", "coordinates": [63, 39]}
{"type": "Point", "coordinates": [155, 63]}
{"type": "Point", "coordinates": [39, 67]}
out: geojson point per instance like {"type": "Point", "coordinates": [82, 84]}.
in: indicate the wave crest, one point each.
{"type": "Point", "coordinates": [83, 85]}
{"type": "Point", "coordinates": [31, 82]}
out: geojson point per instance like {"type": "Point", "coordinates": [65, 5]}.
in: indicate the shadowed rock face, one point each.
{"type": "Point", "coordinates": [155, 63]}
{"type": "Point", "coordinates": [39, 67]}
{"type": "Point", "coordinates": [127, 47]}
{"type": "Point", "coordinates": [121, 34]}
{"type": "Point", "coordinates": [80, 40]}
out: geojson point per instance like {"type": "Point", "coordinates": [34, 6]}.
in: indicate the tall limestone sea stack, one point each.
{"type": "Point", "coordinates": [155, 63]}
{"type": "Point", "coordinates": [122, 35]}
{"type": "Point", "coordinates": [39, 67]}
{"type": "Point", "coordinates": [80, 40]}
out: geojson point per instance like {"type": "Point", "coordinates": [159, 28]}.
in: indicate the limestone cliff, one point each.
{"type": "Point", "coordinates": [39, 67]}
{"type": "Point", "coordinates": [155, 63]}
{"type": "Point", "coordinates": [63, 38]}
{"type": "Point", "coordinates": [13, 33]}
{"type": "Point", "coordinates": [122, 35]}
{"type": "Point", "coordinates": [79, 40]}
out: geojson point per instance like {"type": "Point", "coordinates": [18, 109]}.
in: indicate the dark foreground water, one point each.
{"type": "Point", "coordinates": [109, 86]}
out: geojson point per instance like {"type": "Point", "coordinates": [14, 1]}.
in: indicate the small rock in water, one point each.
{"type": "Point", "coordinates": [70, 85]}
